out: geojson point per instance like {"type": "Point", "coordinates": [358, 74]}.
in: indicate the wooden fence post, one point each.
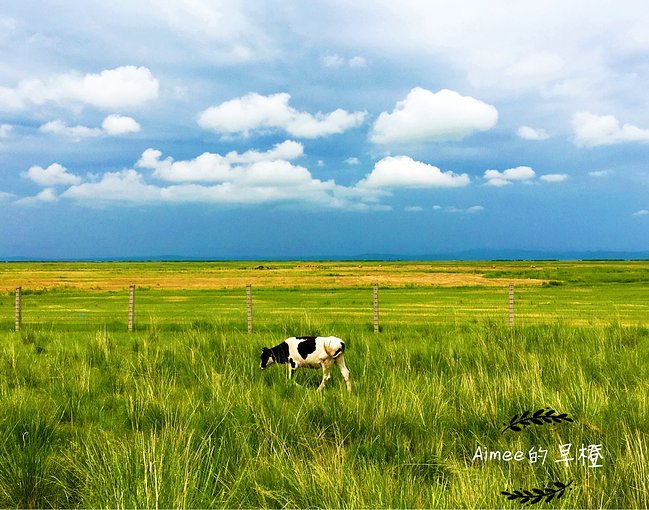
{"type": "Point", "coordinates": [131, 307]}
{"type": "Point", "coordinates": [376, 307]}
{"type": "Point", "coordinates": [19, 308]}
{"type": "Point", "coordinates": [511, 304]}
{"type": "Point", "coordinates": [249, 306]}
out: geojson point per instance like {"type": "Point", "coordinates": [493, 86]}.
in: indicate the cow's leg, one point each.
{"type": "Point", "coordinates": [326, 372]}
{"type": "Point", "coordinates": [340, 361]}
{"type": "Point", "coordinates": [291, 368]}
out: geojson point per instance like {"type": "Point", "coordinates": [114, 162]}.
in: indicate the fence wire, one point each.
{"type": "Point", "coordinates": [414, 305]}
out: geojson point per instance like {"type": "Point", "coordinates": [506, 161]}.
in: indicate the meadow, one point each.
{"type": "Point", "coordinates": [178, 414]}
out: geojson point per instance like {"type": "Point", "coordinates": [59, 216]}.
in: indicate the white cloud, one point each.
{"type": "Point", "coordinates": [257, 112]}
{"type": "Point", "coordinates": [404, 172]}
{"type": "Point", "coordinates": [126, 186]}
{"type": "Point", "coordinates": [458, 210]}
{"type": "Point", "coordinates": [207, 167]}
{"type": "Point", "coordinates": [115, 125]}
{"type": "Point", "coordinates": [335, 61]}
{"type": "Point", "coordinates": [210, 167]}
{"type": "Point", "coordinates": [249, 178]}
{"type": "Point", "coordinates": [43, 197]}
{"type": "Point", "coordinates": [523, 174]}
{"type": "Point", "coordinates": [529, 133]}
{"type": "Point", "coordinates": [5, 130]}
{"type": "Point", "coordinates": [215, 31]}
{"type": "Point", "coordinates": [598, 174]}
{"type": "Point", "coordinates": [534, 68]}
{"type": "Point", "coordinates": [4, 196]}
{"type": "Point", "coordinates": [357, 62]}
{"type": "Point", "coordinates": [513, 48]}
{"type": "Point", "coordinates": [46, 195]}
{"type": "Point", "coordinates": [287, 150]}
{"type": "Point", "coordinates": [263, 182]}
{"type": "Point", "coordinates": [121, 87]}
{"type": "Point", "coordinates": [424, 115]}
{"type": "Point", "coordinates": [353, 161]}
{"type": "Point", "coordinates": [553, 178]}
{"type": "Point", "coordinates": [641, 212]}
{"type": "Point", "coordinates": [594, 130]}
{"type": "Point", "coordinates": [58, 127]}
{"type": "Point", "coordinates": [509, 176]}
{"type": "Point", "coordinates": [53, 175]}
{"type": "Point", "coordinates": [413, 208]}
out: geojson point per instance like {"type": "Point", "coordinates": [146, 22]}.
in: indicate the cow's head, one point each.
{"type": "Point", "coordinates": [266, 358]}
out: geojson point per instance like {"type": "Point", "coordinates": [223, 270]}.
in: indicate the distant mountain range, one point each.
{"type": "Point", "coordinates": [460, 256]}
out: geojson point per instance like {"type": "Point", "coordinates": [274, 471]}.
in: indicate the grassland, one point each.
{"type": "Point", "coordinates": [87, 296]}
{"type": "Point", "coordinates": [178, 414]}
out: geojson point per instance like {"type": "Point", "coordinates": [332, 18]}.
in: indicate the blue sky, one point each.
{"type": "Point", "coordinates": [225, 129]}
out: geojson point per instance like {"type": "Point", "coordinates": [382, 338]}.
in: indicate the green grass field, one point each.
{"type": "Point", "coordinates": [178, 414]}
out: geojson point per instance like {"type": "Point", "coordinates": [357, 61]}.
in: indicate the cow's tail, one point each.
{"type": "Point", "coordinates": [340, 350]}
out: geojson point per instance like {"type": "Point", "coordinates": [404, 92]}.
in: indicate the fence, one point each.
{"type": "Point", "coordinates": [115, 310]}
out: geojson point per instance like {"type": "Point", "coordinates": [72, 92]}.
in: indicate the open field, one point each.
{"type": "Point", "coordinates": [178, 414]}
{"type": "Point", "coordinates": [228, 275]}
{"type": "Point", "coordinates": [178, 294]}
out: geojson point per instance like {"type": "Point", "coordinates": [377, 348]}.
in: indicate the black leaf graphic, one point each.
{"type": "Point", "coordinates": [536, 495]}
{"type": "Point", "coordinates": [539, 417]}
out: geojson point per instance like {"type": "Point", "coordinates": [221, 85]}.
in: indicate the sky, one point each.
{"type": "Point", "coordinates": [230, 129]}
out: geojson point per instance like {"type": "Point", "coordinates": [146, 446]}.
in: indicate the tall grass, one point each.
{"type": "Point", "coordinates": [186, 419]}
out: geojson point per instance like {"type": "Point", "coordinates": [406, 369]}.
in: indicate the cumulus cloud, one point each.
{"type": "Point", "coordinates": [424, 115]}
{"type": "Point", "coordinates": [288, 150]}
{"type": "Point", "coordinates": [113, 125]}
{"type": "Point", "coordinates": [4, 196]}
{"type": "Point", "coordinates": [529, 133]}
{"type": "Point", "coordinates": [211, 167]}
{"type": "Point", "coordinates": [523, 174]}
{"type": "Point", "coordinates": [43, 197]}
{"type": "Point", "coordinates": [125, 86]}
{"type": "Point", "coordinates": [509, 176]}
{"type": "Point", "coordinates": [5, 130]}
{"type": "Point", "coordinates": [553, 177]}
{"type": "Point", "coordinates": [593, 130]}
{"type": "Point", "coordinates": [58, 127]}
{"type": "Point", "coordinates": [53, 175]}
{"type": "Point", "coordinates": [251, 177]}
{"type": "Point", "coordinates": [261, 183]}
{"type": "Point", "coordinates": [404, 172]}
{"type": "Point", "coordinates": [124, 186]}
{"type": "Point", "coordinates": [257, 112]}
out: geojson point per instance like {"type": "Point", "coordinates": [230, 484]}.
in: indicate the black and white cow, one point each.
{"type": "Point", "coordinates": [309, 352]}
